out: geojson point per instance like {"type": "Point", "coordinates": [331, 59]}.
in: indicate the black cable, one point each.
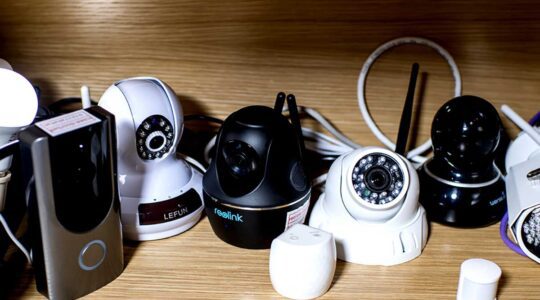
{"type": "Point", "coordinates": [198, 117]}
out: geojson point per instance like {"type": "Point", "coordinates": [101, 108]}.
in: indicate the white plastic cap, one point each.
{"type": "Point", "coordinates": [478, 280]}
{"type": "Point", "coordinates": [302, 262]}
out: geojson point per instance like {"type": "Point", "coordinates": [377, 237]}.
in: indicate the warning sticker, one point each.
{"type": "Point", "coordinates": [68, 122]}
{"type": "Point", "coordinates": [297, 216]}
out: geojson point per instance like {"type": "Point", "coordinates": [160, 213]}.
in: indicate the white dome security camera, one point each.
{"type": "Point", "coordinates": [371, 206]}
{"type": "Point", "coordinates": [160, 193]}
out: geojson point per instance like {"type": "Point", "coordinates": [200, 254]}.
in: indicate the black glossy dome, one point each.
{"type": "Point", "coordinates": [466, 130]}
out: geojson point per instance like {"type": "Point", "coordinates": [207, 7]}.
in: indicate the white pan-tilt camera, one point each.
{"type": "Point", "coordinates": [370, 203]}
{"type": "Point", "coordinates": [160, 194]}
{"type": "Point", "coordinates": [371, 206]}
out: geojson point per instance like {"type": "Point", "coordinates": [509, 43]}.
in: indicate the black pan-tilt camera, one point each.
{"type": "Point", "coordinates": [256, 187]}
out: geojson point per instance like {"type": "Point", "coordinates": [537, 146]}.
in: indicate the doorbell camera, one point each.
{"type": "Point", "coordinates": [73, 204]}
{"type": "Point", "coordinates": [370, 203]}
{"type": "Point", "coordinates": [160, 192]}
{"type": "Point", "coordinates": [256, 187]}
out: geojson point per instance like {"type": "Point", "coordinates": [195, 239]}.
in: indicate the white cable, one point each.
{"type": "Point", "coordinates": [310, 133]}
{"type": "Point", "coordinates": [319, 141]}
{"type": "Point", "coordinates": [208, 147]}
{"type": "Point", "coordinates": [319, 180]}
{"type": "Point", "coordinates": [361, 92]}
{"type": "Point", "coordinates": [328, 126]}
{"type": "Point", "coordinates": [522, 124]}
{"type": "Point", "coordinates": [193, 162]}
{"type": "Point", "coordinates": [14, 239]}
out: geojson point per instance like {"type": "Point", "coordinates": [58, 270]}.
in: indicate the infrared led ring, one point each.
{"type": "Point", "coordinates": [154, 137]}
{"type": "Point", "coordinates": [377, 179]}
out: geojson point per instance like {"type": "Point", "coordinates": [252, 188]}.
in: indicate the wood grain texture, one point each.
{"type": "Point", "coordinates": [220, 56]}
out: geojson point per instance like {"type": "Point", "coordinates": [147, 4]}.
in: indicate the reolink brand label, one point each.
{"type": "Point", "coordinates": [229, 216]}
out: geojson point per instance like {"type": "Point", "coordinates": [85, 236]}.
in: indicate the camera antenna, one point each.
{"type": "Point", "coordinates": [280, 101]}
{"type": "Point", "coordinates": [406, 114]}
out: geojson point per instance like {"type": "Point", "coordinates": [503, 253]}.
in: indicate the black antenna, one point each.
{"type": "Point", "coordinates": [280, 101]}
{"type": "Point", "coordinates": [295, 120]}
{"type": "Point", "coordinates": [405, 123]}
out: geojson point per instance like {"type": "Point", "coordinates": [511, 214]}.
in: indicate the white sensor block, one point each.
{"type": "Point", "coordinates": [302, 262]}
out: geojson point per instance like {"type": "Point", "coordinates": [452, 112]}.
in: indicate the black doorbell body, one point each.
{"type": "Point", "coordinates": [73, 204]}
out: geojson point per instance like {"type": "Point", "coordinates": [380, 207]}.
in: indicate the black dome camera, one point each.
{"type": "Point", "coordinates": [256, 187]}
{"type": "Point", "coordinates": [461, 185]}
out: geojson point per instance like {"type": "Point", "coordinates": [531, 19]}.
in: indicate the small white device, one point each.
{"type": "Point", "coordinates": [302, 262]}
{"type": "Point", "coordinates": [18, 107]}
{"type": "Point", "coordinates": [478, 280]}
{"type": "Point", "coordinates": [160, 193]}
{"type": "Point", "coordinates": [371, 206]}
{"type": "Point", "coordinates": [370, 203]}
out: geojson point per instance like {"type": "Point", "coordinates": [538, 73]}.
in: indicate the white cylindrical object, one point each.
{"type": "Point", "coordinates": [302, 262]}
{"type": "Point", "coordinates": [478, 280]}
{"type": "Point", "coordinates": [85, 97]}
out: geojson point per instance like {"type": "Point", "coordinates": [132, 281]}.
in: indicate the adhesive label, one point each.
{"type": "Point", "coordinates": [68, 122]}
{"type": "Point", "coordinates": [297, 216]}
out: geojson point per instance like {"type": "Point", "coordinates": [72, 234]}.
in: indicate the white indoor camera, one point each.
{"type": "Point", "coordinates": [160, 193]}
{"type": "Point", "coordinates": [371, 207]}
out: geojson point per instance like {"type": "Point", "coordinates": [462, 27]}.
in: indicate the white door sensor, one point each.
{"type": "Point", "coordinates": [302, 262]}
{"type": "Point", "coordinates": [478, 280]}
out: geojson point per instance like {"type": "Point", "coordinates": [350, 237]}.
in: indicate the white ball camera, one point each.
{"type": "Point", "coordinates": [18, 107]}
{"type": "Point", "coordinates": [371, 207]}
{"type": "Point", "coordinates": [160, 193]}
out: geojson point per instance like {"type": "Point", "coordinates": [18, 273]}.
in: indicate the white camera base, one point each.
{"type": "Point", "coordinates": [375, 244]}
{"type": "Point", "coordinates": [132, 228]}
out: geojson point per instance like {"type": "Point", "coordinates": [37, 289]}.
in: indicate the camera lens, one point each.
{"type": "Point", "coordinates": [378, 179]}
{"type": "Point", "coordinates": [154, 137]}
{"type": "Point", "coordinates": [156, 142]}
{"type": "Point", "coordinates": [240, 158]}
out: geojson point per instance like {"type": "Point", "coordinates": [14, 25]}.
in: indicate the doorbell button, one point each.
{"type": "Point", "coordinates": [92, 255]}
{"type": "Point", "coordinates": [302, 262]}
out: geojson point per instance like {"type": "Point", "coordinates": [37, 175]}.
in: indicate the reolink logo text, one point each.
{"type": "Point", "coordinates": [228, 215]}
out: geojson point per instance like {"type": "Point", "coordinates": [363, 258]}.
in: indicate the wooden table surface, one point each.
{"type": "Point", "coordinates": [221, 56]}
